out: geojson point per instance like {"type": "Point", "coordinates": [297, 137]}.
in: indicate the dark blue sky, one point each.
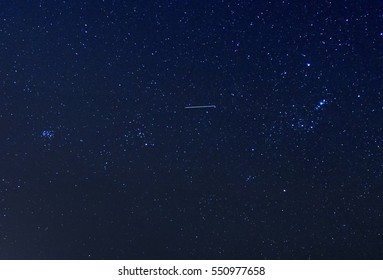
{"type": "Point", "coordinates": [99, 159]}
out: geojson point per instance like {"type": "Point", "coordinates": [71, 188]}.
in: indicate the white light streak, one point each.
{"type": "Point", "coordinates": [200, 107]}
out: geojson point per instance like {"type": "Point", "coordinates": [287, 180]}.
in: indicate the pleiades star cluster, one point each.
{"type": "Point", "coordinates": [104, 156]}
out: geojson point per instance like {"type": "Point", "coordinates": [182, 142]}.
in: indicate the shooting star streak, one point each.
{"type": "Point", "coordinates": [200, 107]}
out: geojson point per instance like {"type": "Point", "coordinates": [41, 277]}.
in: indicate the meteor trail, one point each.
{"type": "Point", "coordinates": [200, 107]}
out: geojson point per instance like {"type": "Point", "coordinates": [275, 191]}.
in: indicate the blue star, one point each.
{"type": "Point", "coordinates": [321, 104]}
{"type": "Point", "coordinates": [48, 134]}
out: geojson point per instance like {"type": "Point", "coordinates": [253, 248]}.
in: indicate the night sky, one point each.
{"type": "Point", "coordinates": [100, 159]}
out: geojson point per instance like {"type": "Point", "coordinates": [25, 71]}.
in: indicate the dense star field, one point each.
{"type": "Point", "coordinates": [100, 159]}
